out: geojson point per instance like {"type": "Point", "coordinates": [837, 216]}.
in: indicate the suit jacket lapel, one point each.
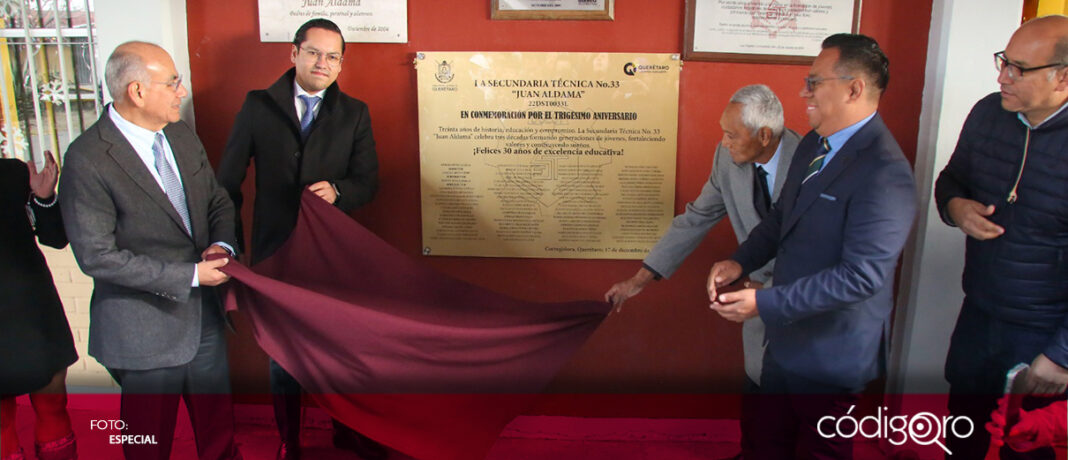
{"type": "Point", "coordinates": [329, 103]}
{"type": "Point", "coordinates": [811, 190]}
{"type": "Point", "coordinates": [282, 94]}
{"type": "Point", "coordinates": [743, 192]}
{"type": "Point", "coordinates": [789, 147]}
{"type": "Point", "coordinates": [123, 153]}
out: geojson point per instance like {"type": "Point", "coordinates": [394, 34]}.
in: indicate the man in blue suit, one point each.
{"type": "Point", "coordinates": [836, 231]}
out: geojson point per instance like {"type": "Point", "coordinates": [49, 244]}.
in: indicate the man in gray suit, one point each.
{"type": "Point", "coordinates": [747, 173]}
{"type": "Point", "coordinates": [143, 211]}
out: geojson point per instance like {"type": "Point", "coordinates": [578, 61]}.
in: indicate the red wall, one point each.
{"type": "Point", "coordinates": [666, 340]}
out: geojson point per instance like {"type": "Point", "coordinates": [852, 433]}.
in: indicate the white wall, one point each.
{"type": "Point", "coordinates": [964, 36]}
{"type": "Point", "coordinates": [162, 22]}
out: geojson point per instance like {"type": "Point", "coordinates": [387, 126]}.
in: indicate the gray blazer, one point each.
{"type": "Point", "coordinates": [126, 235]}
{"type": "Point", "coordinates": [728, 192]}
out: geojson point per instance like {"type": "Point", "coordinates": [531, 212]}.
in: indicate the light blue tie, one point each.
{"type": "Point", "coordinates": [309, 114]}
{"type": "Point", "coordinates": [172, 185]}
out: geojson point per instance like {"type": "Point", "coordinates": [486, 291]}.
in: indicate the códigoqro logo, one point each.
{"type": "Point", "coordinates": [923, 428]}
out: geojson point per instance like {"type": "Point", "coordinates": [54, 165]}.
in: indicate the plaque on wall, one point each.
{"type": "Point", "coordinates": [556, 155]}
{"type": "Point", "coordinates": [551, 9]}
{"type": "Point", "coordinates": [366, 21]}
{"type": "Point", "coordinates": [771, 31]}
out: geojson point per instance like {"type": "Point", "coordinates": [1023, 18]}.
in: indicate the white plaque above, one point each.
{"type": "Point", "coordinates": [366, 21]}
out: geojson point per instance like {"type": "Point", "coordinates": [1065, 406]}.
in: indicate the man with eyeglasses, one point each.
{"type": "Point", "coordinates": [835, 233]}
{"type": "Point", "coordinates": [142, 211]}
{"type": "Point", "coordinates": [1006, 188]}
{"type": "Point", "coordinates": [302, 133]}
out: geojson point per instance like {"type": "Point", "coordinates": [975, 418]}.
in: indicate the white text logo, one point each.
{"type": "Point", "coordinates": [923, 428]}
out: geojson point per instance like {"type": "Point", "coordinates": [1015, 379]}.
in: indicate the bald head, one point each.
{"type": "Point", "coordinates": [129, 63]}
{"type": "Point", "coordinates": [1033, 75]}
{"type": "Point", "coordinates": [1051, 31]}
{"type": "Point", "coordinates": [145, 85]}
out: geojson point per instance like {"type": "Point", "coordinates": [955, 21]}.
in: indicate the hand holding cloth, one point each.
{"type": "Point", "coordinates": [428, 365]}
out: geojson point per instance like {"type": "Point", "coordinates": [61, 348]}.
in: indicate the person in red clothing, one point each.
{"type": "Point", "coordinates": [1042, 427]}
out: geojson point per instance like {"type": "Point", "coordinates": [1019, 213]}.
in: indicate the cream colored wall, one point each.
{"type": "Point", "coordinates": [75, 290]}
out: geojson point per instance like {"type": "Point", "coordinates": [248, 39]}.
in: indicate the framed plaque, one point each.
{"type": "Point", "coordinates": [367, 21]}
{"type": "Point", "coordinates": [552, 9]}
{"type": "Point", "coordinates": [549, 155]}
{"type": "Point", "coordinates": [764, 31]}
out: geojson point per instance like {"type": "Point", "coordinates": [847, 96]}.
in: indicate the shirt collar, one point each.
{"type": "Point", "coordinates": [772, 166]}
{"type": "Point", "coordinates": [1026, 123]}
{"type": "Point", "coordinates": [838, 139]}
{"type": "Point", "coordinates": [298, 91]}
{"type": "Point", "coordinates": [133, 133]}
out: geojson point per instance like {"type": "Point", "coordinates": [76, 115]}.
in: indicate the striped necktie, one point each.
{"type": "Point", "coordinates": [172, 185]}
{"type": "Point", "coordinates": [309, 114]}
{"type": "Point", "coordinates": [817, 163]}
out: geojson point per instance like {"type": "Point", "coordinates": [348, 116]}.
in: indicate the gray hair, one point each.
{"type": "Point", "coordinates": [760, 108]}
{"type": "Point", "coordinates": [1060, 53]}
{"type": "Point", "coordinates": [124, 66]}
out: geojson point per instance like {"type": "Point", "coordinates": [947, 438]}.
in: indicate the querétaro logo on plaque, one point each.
{"type": "Point", "coordinates": [444, 74]}
{"type": "Point", "coordinates": [631, 69]}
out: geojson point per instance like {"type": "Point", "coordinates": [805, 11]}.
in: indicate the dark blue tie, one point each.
{"type": "Point", "coordinates": [309, 114]}
{"type": "Point", "coordinates": [816, 164]}
{"type": "Point", "coordinates": [761, 195]}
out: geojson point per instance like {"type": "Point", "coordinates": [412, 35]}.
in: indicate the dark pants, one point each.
{"type": "Point", "coordinates": [285, 393]}
{"type": "Point", "coordinates": [981, 352]}
{"type": "Point", "coordinates": [786, 413]}
{"type": "Point", "coordinates": [749, 421]}
{"type": "Point", "coordinates": [150, 400]}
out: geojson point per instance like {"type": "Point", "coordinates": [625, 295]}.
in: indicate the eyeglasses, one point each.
{"type": "Point", "coordinates": [174, 84]}
{"type": "Point", "coordinates": [332, 59]}
{"type": "Point", "coordinates": [1014, 71]}
{"type": "Point", "coordinates": [812, 82]}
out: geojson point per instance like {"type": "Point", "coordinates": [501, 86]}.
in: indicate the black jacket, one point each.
{"type": "Point", "coordinates": [35, 340]}
{"type": "Point", "coordinates": [1020, 277]}
{"type": "Point", "coordinates": [339, 149]}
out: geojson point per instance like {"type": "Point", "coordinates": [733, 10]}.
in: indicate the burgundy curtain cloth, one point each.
{"type": "Point", "coordinates": [426, 364]}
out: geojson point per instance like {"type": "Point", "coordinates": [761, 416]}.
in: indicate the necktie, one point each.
{"type": "Point", "coordinates": [817, 163]}
{"type": "Point", "coordinates": [761, 196]}
{"type": "Point", "coordinates": [309, 114]}
{"type": "Point", "coordinates": [172, 185]}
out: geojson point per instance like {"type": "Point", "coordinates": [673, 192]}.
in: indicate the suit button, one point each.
{"type": "Point", "coordinates": [296, 154]}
